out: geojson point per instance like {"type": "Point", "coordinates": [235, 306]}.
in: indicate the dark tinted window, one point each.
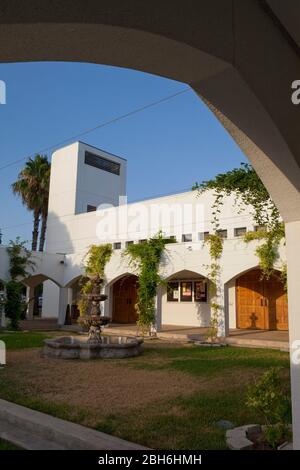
{"type": "Point", "coordinates": [102, 163]}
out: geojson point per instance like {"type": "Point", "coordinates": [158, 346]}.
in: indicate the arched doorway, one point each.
{"type": "Point", "coordinates": [124, 292]}
{"type": "Point", "coordinates": [261, 303]}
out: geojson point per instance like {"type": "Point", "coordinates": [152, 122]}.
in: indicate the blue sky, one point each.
{"type": "Point", "coordinates": [168, 147]}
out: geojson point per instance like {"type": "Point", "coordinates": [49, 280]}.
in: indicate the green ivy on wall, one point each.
{"type": "Point", "coordinates": [95, 261]}
{"type": "Point", "coordinates": [215, 243]}
{"type": "Point", "coordinates": [249, 191]}
{"type": "Point", "coordinates": [146, 258]}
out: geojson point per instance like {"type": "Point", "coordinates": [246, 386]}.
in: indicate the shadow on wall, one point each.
{"type": "Point", "coordinates": [58, 240]}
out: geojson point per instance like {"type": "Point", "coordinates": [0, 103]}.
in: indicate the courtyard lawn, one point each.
{"type": "Point", "coordinates": [7, 446]}
{"type": "Point", "coordinates": [15, 340]}
{"type": "Point", "coordinates": [169, 398]}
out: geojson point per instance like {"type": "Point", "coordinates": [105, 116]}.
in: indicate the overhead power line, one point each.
{"type": "Point", "coordinates": [99, 126]}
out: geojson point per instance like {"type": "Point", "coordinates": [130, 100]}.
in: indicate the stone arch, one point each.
{"type": "Point", "coordinates": [212, 56]}
{"type": "Point", "coordinates": [38, 278]}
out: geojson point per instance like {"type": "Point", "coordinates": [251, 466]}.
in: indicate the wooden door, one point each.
{"type": "Point", "coordinates": [251, 308]}
{"type": "Point", "coordinates": [124, 300]}
{"type": "Point", "coordinates": [276, 300]}
{"type": "Point", "coordinates": [261, 303]}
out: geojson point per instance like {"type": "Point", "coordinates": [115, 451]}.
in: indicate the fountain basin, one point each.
{"type": "Point", "coordinates": [70, 347]}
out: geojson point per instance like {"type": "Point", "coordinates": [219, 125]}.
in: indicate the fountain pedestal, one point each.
{"type": "Point", "coordinates": [93, 320]}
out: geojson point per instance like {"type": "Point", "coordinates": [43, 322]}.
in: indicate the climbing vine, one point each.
{"type": "Point", "coordinates": [267, 252]}
{"type": "Point", "coordinates": [249, 191]}
{"type": "Point", "coordinates": [215, 250]}
{"type": "Point", "coordinates": [146, 258]}
{"type": "Point", "coordinates": [95, 261]}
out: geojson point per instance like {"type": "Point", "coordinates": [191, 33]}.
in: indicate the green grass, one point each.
{"type": "Point", "coordinates": [15, 340]}
{"type": "Point", "coordinates": [185, 422]}
{"type": "Point", "coordinates": [210, 362]}
{"type": "Point", "coordinates": [4, 445]}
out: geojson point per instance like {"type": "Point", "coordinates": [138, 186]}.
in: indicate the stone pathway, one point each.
{"type": "Point", "coordinates": [32, 430]}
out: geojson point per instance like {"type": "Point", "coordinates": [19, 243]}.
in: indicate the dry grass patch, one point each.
{"type": "Point", "coordinates": [170, 397]}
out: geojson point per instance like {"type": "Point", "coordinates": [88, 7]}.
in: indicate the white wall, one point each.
{"type": "Point", "coordinates": [95, 186]}
{"type": "Point", "coordinates": [177, 214]}
{"type": "Point", "coordinates": [63, 181]}
{"type": "Point", "coordinates": [185, 313]}
{"type": "Point", "coordinates": [50, 300]}
{"type": "Point", "coordinates": [73, 186]}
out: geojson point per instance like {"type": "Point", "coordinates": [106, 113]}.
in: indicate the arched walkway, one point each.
{"type": "Point", "coordinates": [42, 289]}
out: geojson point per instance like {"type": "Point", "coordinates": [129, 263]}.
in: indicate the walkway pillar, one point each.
{"type": "Point", "coordinates": [30, 302]}
{"type": "Point", "coordinates": [106, 305]}
{"type": "Point", "coordinates": [222, 321]}
{"type": "Point", "coordinates": [158, 311]}
{"type": "Point", "coordinates": [293, 264]}
{"type": "Point", "coordinates": [62, 304]}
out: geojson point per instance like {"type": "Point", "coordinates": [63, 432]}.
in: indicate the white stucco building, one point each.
{"type": "Point", "coordinates": [83, 179]}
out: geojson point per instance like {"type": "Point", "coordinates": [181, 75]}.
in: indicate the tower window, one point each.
{"type": "Point", "coordinates": [102, 163]}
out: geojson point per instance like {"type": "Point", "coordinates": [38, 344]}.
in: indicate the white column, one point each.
{"type": "Point", "coordinates": [223, 330]}
{"type": "Point", "coordinates": [30, 302]}
{"type": "Point", "coordinates": [158, 310]}
{"type": "Point", "coordinates": [70, 295]}
{"type": "Point", "coordinates": [293, 265]}
{"type": "Point", "coordinates": [106, 309]}
{"type": "Point", "coordinates": [62, 304]}
{"type": "Point", "coordinates": [220, 300]}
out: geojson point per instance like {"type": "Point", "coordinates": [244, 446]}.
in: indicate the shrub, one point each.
{"type": "Point", "coordinates": [271, 399]}
{"type": "Point", "coordinates": [14, 305]}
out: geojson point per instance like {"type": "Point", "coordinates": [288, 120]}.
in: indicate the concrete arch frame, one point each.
{"type": "Point", "coordinates": [244, 74]}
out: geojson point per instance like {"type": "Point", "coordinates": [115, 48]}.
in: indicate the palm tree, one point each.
{"type": "Point", "coordinates": [33, 187]}
{"type": "Point", "coordinates": [45, 182]}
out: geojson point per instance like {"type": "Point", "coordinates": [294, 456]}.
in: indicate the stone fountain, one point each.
{"type": "Point", "coordinates": [93, 321]}
{"type": "Point", "coordinates": [94, 345]}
